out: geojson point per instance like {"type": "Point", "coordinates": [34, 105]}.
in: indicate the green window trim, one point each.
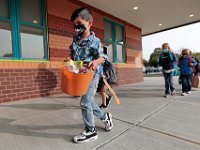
{"type": "Point", "coordinates": [14, 20]}
{"type": "Point", "coordinates": [115, 24]}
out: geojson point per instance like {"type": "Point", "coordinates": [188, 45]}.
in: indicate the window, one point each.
{"type": "Point", "coordinates": [114, 41]}
{"type": "Point", "coordinates": [5, 30]}
{"type": "Point", "coordinates": [23, 30]}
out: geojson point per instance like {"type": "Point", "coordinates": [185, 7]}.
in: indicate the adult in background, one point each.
{"type": "Point", "coordinates": [168, 60]}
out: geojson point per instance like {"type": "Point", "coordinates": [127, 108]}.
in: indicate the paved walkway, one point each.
{"type": "Point", "coordinates": [144, 121]}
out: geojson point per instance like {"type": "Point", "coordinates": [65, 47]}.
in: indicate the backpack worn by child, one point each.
{"type": "Point", "coordinates": [167, 60]}
{"type": "Point", "coordinates": [109, 72]}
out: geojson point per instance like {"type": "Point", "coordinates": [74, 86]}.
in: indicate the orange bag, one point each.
{"type": "Point", "coordinates": [75, 84]}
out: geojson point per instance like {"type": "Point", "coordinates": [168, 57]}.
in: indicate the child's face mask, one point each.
{"type": "Point", "coordinates": [80, 29]}
{"type": "Point", "coordinates": [165, 50]}
{"type": "Point", "coordinates": [184, 54]}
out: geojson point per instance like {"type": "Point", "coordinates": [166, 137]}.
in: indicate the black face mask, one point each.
{"type": "Point", "coordinates": [80, 29]}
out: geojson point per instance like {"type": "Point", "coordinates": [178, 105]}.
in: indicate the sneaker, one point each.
{"type": "Point", "coordinates": [86, 136]}
{"type": "Point", "coordinates": [184, 94]}
{"type": "Point", "coordinates": [108, 122]}
{"type": "Point", "coordinates": [108, 100]}
{"type": "Point", "coordinates": [166, 95]}
{"type": "Point", "coordinates": [189, 92]}
{"type": "Point", "coordinates": [173, 93]}
{"type": "Point", "coordinates": [102, 106]}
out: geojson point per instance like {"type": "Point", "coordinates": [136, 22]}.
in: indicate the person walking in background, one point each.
{"type": "Point", "coordinates": [106, 98]}
{"type": "Point", "coordinates": [186, 63]}
{"type": "Point", "coordinates": [167, 60]}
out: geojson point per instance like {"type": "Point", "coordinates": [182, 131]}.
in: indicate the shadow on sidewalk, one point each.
{"type": "Point", "coordinates": [8, 126]}
{"type": "Point", "coordinates": [41, 106]}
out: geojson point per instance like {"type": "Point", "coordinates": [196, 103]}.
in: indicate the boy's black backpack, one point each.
{"type": "Point", "coordinates": [109, 72]}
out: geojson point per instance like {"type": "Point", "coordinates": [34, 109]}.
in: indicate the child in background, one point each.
{"type": "Point", "coordinates": [168, 60]}
{"type": "Point", "coordinates": [186, 63]}
{"type": "Point", "coordinates": [87, 48]}
{"type": "Point", "coordinates": [101, 89]}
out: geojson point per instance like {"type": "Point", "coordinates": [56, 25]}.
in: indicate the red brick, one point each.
{"type": "Point", "coordinates": [5, 83]}
{"type": "Point", "coordinates": [15, 74]}
{"type": "Point", "coordinates": [2, 70]}
{"type": "Point", "coordinates": [12, 95]}
{"type": "Point", "coordinates": [17, 90]}
{"type": "Point", "coordinates": [19, 78]}
{"type": "Point", "coordinates": [15, 82]}
{"type": "Point", "coordinates": [9, 99]}
{"type": "Point", "coordinates": [10, 79]}
{"type": "Point", "coordinates": [9, 70]}
{"type": "Point", "coordinates": [25, 97]}
{"type": "Point", "coordinates": [2, 79]}
{"type": "Point", "coordinates": [20, 94]}
{"type": "Point", "coordinates": [10, 87]}
{"type": "Point", "coordinates": [18, 70]}
{"type": "Point", "coordinates": [23, 74]}
{"type": "Point", "coordinates": [2, 87]}
{"type": "Point", "coordinates": [20, 86]}
{"type": "Point", "coordinates": [24, 81]}
{"type": "Point", "coordinates": [5, 74]}
{"type": "Point", "coordinates": [3, 96]}
{"type": "Point", "coordinates": [5, 92]}
{"type": "Point", "coordinates": [15, 98]}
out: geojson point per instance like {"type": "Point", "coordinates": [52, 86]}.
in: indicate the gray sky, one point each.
{"type": "Point", "coordinates": [183, 37]}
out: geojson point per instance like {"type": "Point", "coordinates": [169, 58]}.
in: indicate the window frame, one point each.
{"type": "Point", "coordinates": [14, 19]}
{"type": "Point", "coordinates": [115, 24]}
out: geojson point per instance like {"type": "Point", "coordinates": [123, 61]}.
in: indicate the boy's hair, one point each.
{"type": "Point", "coordinates": [187, 51]}
{"type": "Point", "coordinates": [82, 12]}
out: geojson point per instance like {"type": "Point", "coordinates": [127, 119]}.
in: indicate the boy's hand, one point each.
{"type": "Point", "coordinates": [93, 64]}
{"type": "Point", "coordinates": [191, 64]}
{"type": "Point", "coordinates": [103, 76]}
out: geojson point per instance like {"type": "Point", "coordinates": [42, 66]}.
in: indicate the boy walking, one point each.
{"type": "Point", "coordinates": [106, 99]}
{"type": "Point", "coordinates": [87, 47]}
{"type": "Point", "coordinates": [186, 63]}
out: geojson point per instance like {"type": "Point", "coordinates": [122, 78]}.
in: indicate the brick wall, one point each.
{"type": "Point", "coordinates": [24, 80]}
{"type": "Point", "coordinates": [129, 75]}
{"type": "Point", "coordinates": [19, 80]}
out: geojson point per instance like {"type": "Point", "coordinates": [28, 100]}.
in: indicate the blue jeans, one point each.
{"type": "Point", "coordinates": [169, 86]}
{"type": "Point", "coordinates": [89, 106]}
{"type": "Point", "coordinates": [186, 83]}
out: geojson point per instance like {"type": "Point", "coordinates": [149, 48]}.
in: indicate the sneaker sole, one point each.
{"type": "Point", "coordinates": [88, 140]}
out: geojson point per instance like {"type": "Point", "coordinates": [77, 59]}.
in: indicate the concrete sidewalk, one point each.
{"type": "Point", "coordinates": [144, 121]}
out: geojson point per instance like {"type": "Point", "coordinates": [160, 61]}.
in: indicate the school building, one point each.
{"type": "Point", "coordinates": [35, 36]}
